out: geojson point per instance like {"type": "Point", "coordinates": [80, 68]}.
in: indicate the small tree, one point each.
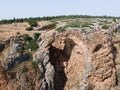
{"type": "Point", "coordinates": [32, 45]}
{"type": "Point", "coordinates": [27, 37]}
{"type": "Point", "coordinates": [29, 28]}
{"type": "Point", "coordinates": [105, 27]}
{"type": "Point", "coordinates": [36, 36]}
{"type": "Point", "coordinates": [33, 23]}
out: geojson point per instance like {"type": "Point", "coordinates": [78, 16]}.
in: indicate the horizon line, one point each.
{"type": "Point", "coordinates": [82, 15]}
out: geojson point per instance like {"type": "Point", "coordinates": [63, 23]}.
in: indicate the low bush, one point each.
{"type": "Point", "coordinates": [74, 24]}
{"type": "Point", "coordinates": [105, 27]}
{"type": "Point", "coordinates": [33, 23]}
{"type": "Point", "coordinates": [49, 26]}
{"type": "Point", "coordinates": [32, 45]}
{"type": "Point", "coordinates": [114, 19]}
{"type": "Point", "coordinates": [86, 24]}
{"type": "Point", "coordinates": [30, 42]}
{"type": "Point", "coordinates": [60, 29]}
{"type": "Point", "coordinates": [29, 28]}
{"type": "Point", "coordinates": [36, 36]}
{"type": "Point", "coordinates": [18, 33]}
{"type": "Point", "coordinates": [27, 37]}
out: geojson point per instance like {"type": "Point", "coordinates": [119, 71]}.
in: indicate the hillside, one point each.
{"type": "Point", "coordinates": [60, 53]}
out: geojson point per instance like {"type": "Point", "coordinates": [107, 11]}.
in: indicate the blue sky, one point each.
{"type": "Point", "coordinates": [36, 8]}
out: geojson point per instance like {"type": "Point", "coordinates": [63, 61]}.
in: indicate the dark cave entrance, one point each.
{"type": "Point", "coordinates": [57, 58]}
{"type": "Point", "coordinates": [97, 48]}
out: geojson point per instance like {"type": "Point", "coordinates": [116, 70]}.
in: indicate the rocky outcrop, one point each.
{"type": "Point", "coordinates": [102, 75]}
{"type": "Point", "coordinates": [116, 41]}
{"type": "Point", "coordinates": [68, 60]}
{"type": "Point", "coordinates": [77, 61]}
{"type": "Point", "coordinates": [46, 68]}
{"type": "Point", "coordinates": [14, 57]}
{"type": "Point", "coordinates": [15, 61]}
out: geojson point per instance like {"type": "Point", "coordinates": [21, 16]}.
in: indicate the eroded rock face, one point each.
{"type": "Point", "coordinates": [77, 61]}
{"type": "Point", "coordinates": [46, 68]}
{"type": "Point", "coordinates": [102, 76]}
{"type": "Point", "coordinates": [70, 60]}
{"type": "Point", "coordinates": [14, 57]}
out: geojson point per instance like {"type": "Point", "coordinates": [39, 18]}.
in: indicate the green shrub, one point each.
{"type": "Point", "coordinates": [83, 30]}
{"type": "Point", "coordinates": [32, 45]}
{"type": "Point", "coordinates": [34, 65]}
{"type": "Point", "coordinates": [60, 29]}
{"type": "Point", "coordinates": [86, 24]}
{"type": "Point", "coordinates": [29, 28]}
{"type": "Point", "coordinates": [27, 37]}
{"type": "Point", "coordinates": [114, 20]}
{"type": "Point", "coordinates": [74, 24]}
{"type": "Point", "coordinates": [49, 26]}
{"type": "Point", "coordinates": [105, 27]}
{"type": "Point", "coordinates": [25, 69]}
{"type": "Point", "coordinates": [33, 23]}
{"type": "Point", "coordinates": [18, 33]}
{"type": "Point", "coordinates": [36, 36]}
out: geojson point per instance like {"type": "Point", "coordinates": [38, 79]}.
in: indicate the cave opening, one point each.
{"type": "Point", "coordinates": [97, 48]}
{"type": "Point", "coordinates": [57, 58]}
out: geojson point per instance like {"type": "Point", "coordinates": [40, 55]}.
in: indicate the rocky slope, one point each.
{"type": "Point", "coordinates": [69, 60]}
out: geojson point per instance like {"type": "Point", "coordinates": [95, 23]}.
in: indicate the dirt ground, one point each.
{"type": "Point", "coordinates": [9, 30]}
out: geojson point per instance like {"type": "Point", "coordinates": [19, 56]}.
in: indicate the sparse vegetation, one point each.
{"type": "Point", "coordinates": [60, 29]}
{"type": "Point", "coordinates": [32, 23]}
{"type": "Point", "coordinates": [49, 26]}
{"type": "Point", "coordinates": [29, 28]}
{"type": "Point", "coordinates": [27, 37]}
{"type": "Point", "coordinates": [28, 65]}
{"type": "Point", "coordinates": [105, 27]}
{"type": "Point", "coordinates": [18, 33]}
{"type": "Point", "coordinates": [36, 36]}
{"type": "Point", "coordinates": [32, 45]}
{"type": "Point", "coordinates": [34, 20]}
{"type": "Point", "coordinates": [74, 24]}
{"type": "Point", "coordinates": [114, 19]}
{"type": "Point", "coordinates": [86, 24]}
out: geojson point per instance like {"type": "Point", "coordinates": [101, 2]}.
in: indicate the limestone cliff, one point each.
{"type": "Point", "coordinates": [68, 60]}
{"type": "Point", "coordinates": [78, 61]}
